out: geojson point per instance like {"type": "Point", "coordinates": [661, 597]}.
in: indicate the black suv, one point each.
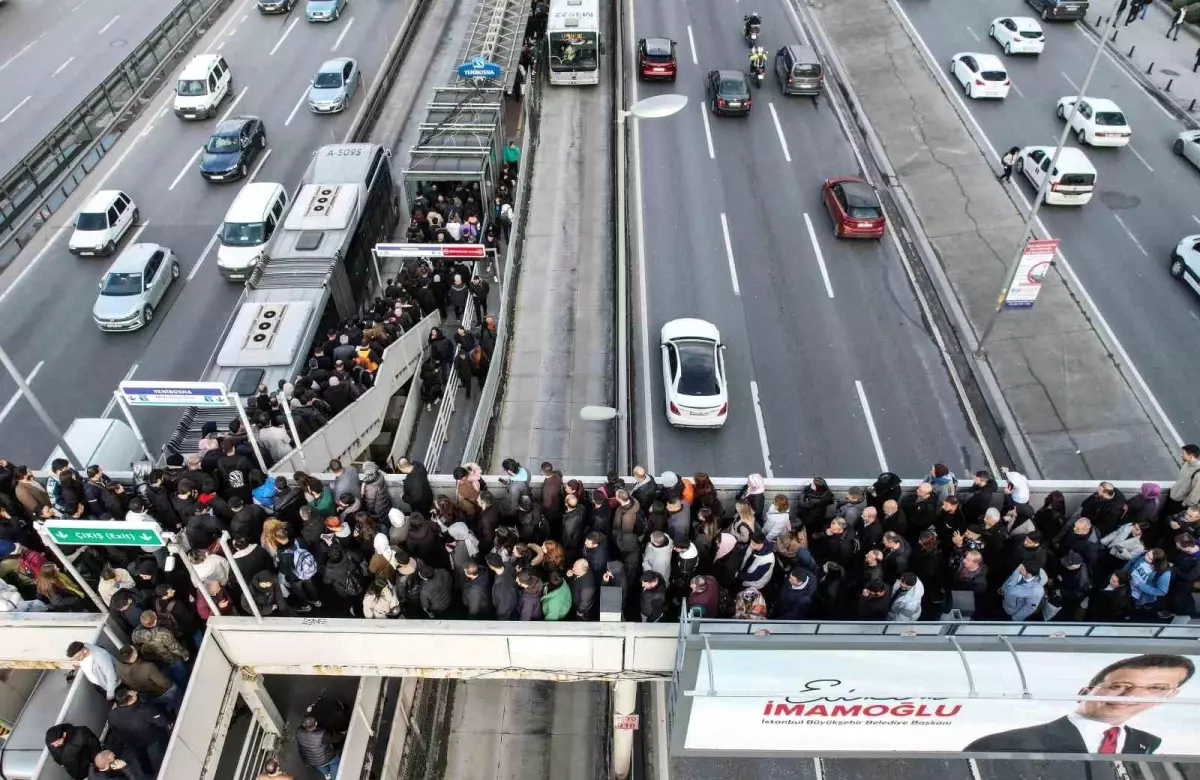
{"type": "Point", "coordinates": [1056, 10]}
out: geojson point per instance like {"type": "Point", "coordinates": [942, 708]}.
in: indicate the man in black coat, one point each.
{"type": "Point", "coordinates": [477, 591]}
{"type": "Point", "coordinates": [418, 494]}
{"type": "Point", "coordinates": [141, 727]}
{"type": "Point", "coordinates": [583, 590]}
{"type": "Point", "coordinates": [73, 748]}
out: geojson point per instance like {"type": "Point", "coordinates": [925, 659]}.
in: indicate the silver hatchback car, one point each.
{"type": "Point", "coordinates": [133, 287]}
{"type": "Point", "coordinates": [335, 83]}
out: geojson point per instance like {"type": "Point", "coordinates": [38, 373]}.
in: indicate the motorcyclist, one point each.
{"type": "Point", "coordinates": [751, 20]}
{"type": "Point", "coordinates": [758, 59]}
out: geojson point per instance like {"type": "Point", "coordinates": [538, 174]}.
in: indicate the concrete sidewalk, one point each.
{"type": "Point", "coordinates": [1075, 410]}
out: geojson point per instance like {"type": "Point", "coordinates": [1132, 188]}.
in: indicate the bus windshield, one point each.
{"type": "Point", "coordinates": [574, 50]}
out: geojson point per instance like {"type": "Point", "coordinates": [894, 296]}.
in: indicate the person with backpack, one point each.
{"type": "Point", "coordinates": [298, 567]}
{"type": "Point", "coordinates": [344, 579]}
{"type": "Point", "coordinates": [234, 470]}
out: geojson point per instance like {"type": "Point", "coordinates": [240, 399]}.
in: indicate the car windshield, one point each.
{"type": "Point", "coordinates": [734, 88]}
{"type": "Point", "coordinates": [807, 70]}
{"type": "Point", "coordinates": [573, 51]}
{"type": "Point", "coordinates": [1110, 119]}
{"type": "Point", "coordinates": [242, 234]}
{"type": "Point", "coordinates": [994, 75]}
{"type": "Point", "coordinates": [122, 285]}
{"type": "Point", "coordinates": [697, 368]}
{"type": "Point", "coordinates": [190, 88]}
{"type": "Point", "coordinates": [864, 212]}
{"type": "Point", "coordinates": [222, 144]}
{"type": "Point", "coordinates": [91, 220]}
{"type": "Point", "coordinates": [328, 80]}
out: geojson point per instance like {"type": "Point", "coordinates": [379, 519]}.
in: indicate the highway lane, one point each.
{"type": "Point", "coordinates": [1119, 244]}
{"type": "Point", "coordinates": [47, 318]}
{"type": "Point", "coordinates": [818, 360]}
{"type": "Point", "coordinates": [54, 52]}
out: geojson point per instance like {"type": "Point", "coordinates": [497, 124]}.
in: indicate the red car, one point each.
{"type": "Point", "coordinates": [656, 59]}
{"type": "Point", "coordinates": [853, 206]}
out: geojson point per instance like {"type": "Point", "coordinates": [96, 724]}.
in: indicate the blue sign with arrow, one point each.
{"type": "Point", "coordinates": [479, 68]}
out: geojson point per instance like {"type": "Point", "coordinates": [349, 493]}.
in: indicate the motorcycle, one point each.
{"type": "Point", "coordinates": [757, 73]}
{"type": "Point", "coordinates": [752, 34]}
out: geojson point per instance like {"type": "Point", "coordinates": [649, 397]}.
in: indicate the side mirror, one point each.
{"type": "Point", "coordinates": [100, 285]}
{"type": "Point", "coordinates": [724, 346]}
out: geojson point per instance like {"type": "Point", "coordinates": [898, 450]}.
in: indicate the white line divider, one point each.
{"type": "Point", "coordinates": [866, 407]}
{"type": "Point", "coordinates": [729, 253]}
{"type": "Point", "coordinates": [762, 431]}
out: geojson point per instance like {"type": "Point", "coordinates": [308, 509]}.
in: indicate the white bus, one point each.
{"type": "Point", "coordinates": [573, 37]}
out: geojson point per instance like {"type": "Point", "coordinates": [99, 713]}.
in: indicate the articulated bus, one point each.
{"type": "Point", "coordinates": [573, 38]}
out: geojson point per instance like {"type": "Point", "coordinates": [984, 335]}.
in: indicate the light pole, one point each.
{"type": "Point", "coordinates": [654, 107]}
{"type": "Point", "coordinates": [1041, 193]}
{"type": "Point", "coordinates": [39, 410]}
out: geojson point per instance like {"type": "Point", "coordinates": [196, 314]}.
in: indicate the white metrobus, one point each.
{"type": "Point", "coordinates": [573, 38]}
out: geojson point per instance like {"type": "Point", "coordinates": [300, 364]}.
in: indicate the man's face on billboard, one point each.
{"type": "Point", "coordinates": [1147, 683]}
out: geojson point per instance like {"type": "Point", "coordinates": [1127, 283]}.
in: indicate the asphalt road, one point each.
{"type": "Point", "coordinates": [54, 52]}
{"type": "Point", "coordinates": [45, 320]}
{"type": "Point", "coordinates": [1146, 197]}
{"type": "Point", "coordinates": [813, 352]}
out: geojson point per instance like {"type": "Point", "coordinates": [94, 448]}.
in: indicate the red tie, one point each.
{"type": "Point", "coordinates": [1109, 743]}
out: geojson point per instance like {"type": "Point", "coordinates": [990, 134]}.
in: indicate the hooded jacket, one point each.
{"type": "Point", "coordinates": [477, 595]}
{"type": "Point", "coordinates": [504, 593]}
{"type": "Point", "coordinates": [658, 559]}
{"type": "Point", "coordinates": [75, 754]}
{"type": "Point", "coordinates": [757, 566]}
{"type": "Point", "coordinates": [1022, 596]}
{"type": "Point", "coordinates": [269, 599]}
{"type": "Point", "coordinates": [375, 497]}
{"type": "Point", "coordinates": [906, 604]}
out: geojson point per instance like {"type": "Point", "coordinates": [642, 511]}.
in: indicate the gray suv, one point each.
{"type": "Point", "coordinates": [1056, 10]}
{"type": "Point", "coordinates": [799, 70]}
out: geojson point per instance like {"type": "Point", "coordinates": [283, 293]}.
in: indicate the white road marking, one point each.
{"type": "Point", "coordinates": [762, 431]}
{"type": "Point", "coordinates": [207, 248]}
{"type": "Point", "coordinates": [138, 233]}
{"type": "Point", "coordinates": [78, 5]}
{"type": "Point", "coordinates": [345, 29]}
{"type": "Point", "coordinates": [60, 67]}
{"type": "Point", "coordinates": [226, 27]}
{"type": "Point", "coordinates": [729, 254]}
{"type": "Point", "coordinates": [8, 407]}
{"type": "Point", "coordinates": [819, 771]}
{"type": "Point", "coordinates": [779, 131]}
{"type": "Point", "coordinates": [712, 155]}
{"type": "Point", "coordinates": [974, 766]}
{"type": "Point", "coordinates": [283, 38]}
{"type": "Point", "coordinates": [1129, 233]}
{"type": "Point", "coordinates": [295, 108]}
{"type": "Point", "coordinates": [26, 48]}
{"type": "Point", "coordinates": [220, 45]}
{"type": "Point", "coordinates": [692, 44]}
{"type": "Point", "coordinates": [233, 105]}
{"type": "Point", "coordinates": [866, 407]}
{"type": "Point", "coordinates": [261, 163]}
{"type": "Point", "coordinates": [1139, 156]}
{"type": "Point", "coordinates": [187, 167]}
{"type": "Point", "coordinates": [245, 17]}
{"type": "Point", "coordinates": [15, 109]}
{"type": "Point", "coordinates": [1016, 89]}
{"type": "Point", "coordinates": [112, 402]}
{"type": "Point", "coordinates": [1196, 219]}
{"type": "Point", "coordinates": [1072, 83]}
{"type": "Point", "coordinates": [111, 22]}
{"type": "Point", "coordinates": [640, 234]}
{"type": "Point", "coordinates": [812, 234]}
{"type": "Point", "coordinates": [972, 32]}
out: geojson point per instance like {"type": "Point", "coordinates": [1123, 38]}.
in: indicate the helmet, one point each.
{"type": "Point", "coordinates": [759, 50]}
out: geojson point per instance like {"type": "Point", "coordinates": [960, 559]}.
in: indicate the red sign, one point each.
{"type": "Point", "coordinates": [430, 250]}
{"type": "Point", "coordinates": [625, 722]}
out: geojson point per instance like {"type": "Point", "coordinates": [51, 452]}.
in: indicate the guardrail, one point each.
{"type": "Point", "coordinates": [354, 428]}
{"type": "Point", "coordinates": [42, 181]}
{"type": "Point", "coordinates": [364, 123]}
{"type": "Point", "coordinates": [473, 450]}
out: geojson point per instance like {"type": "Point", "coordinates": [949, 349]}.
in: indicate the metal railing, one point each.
{"type": "Point", "coordinates": [420, 758]}
{"type": "Point", "coordinates": [41, 182]}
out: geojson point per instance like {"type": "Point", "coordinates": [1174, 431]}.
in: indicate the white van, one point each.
{"type": "Point", "coordinates": [1072, 180]}
{"type": "Point", "coordinates": [102, 222]}
{"type": "Point", "coordinates": [201, 86]}
{"type": "Point", "coordinates": [249, 224]}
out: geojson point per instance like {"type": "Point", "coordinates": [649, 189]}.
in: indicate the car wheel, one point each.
{"type": "Point", "coordinates": [1062, 114]}
{"type": "Point", "coordinates": [242, 171]}
{"type": "Point", "coordinates": [1082, 136]}
{"type": "Point", "coordinates": [137, 215]}
{"type": "Point", "coordinates": [837, 228]}
{"type": "Point", "coordinates": [337, 14]}
{"type": "Point", "coordinates": [992, 31]}
{"type": "Point", "coordinates": [950, 70]}
{"type": "Point", "coordinates": [262, 141]}
{"type": "Point", "coordinates": [1177, 147]}
{"type": "Point", "coordinates": [109, 247]}
{"type": "Point", "coordinates": [147, 315]}
{"type": "Point", "coordinates": [671, 80]}
{"type": "Point", "coordinates": [967, 90]}
{"type": "Point", "coordinates": [174, 269]}
{"type": "Point", "coordinates": [1008, 48]}
{"type": "Point", "coordinates": [1177, 267]}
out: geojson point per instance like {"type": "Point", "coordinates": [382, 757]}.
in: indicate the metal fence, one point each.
{"type": "Point", "coordinates": [43, 179]}
{"type": "Point", "coordinates": [430, 708]}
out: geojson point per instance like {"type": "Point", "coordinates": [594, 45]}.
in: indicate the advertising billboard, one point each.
{"type": "Point", "coordinates": [921, 702]}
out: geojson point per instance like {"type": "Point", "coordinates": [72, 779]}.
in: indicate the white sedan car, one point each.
{"type": "Point", "coordinates": [1018, 35]}
{"type": "Point", "coordinates": [694, 374]}
{"type": "Point", "coordinates": [1185, 262]}
{"type": "Point", "coordinates": [1098, 121]}
{"type": "Point", "coordinates": [981, 75]}
{"type": "Point", "coordinates": [1187, 145]}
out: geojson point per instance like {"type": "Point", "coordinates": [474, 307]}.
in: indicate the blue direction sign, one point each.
{"type": "Point", "coordinates": [479, 68]}
{"type": "Point", "coordinates": [142, 393]}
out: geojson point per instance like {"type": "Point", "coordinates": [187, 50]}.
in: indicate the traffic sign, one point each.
{"type": "Point", "coordinates": [107, 533]}
{"type": "Point", "coordinates": [479, 68]}
{"type": "Point", "coordinates": [625, 722]}
{"type": "Point", "coordinates": [430, 250]}
{"type": "Point", "coordinates": [143, 393]}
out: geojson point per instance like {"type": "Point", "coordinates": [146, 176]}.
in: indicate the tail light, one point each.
{"type": "Point", "coordinates": [674, 409]}
{"type": "Point", "coordinates": [720, 101]}
{"type": "Point", "coordinates": [789, 81]}
{"type": "Point", "coordinates": [1054, 188]}
{"type": "Point", "coordinates": [723, 410]}
{"type": "Point", "coordinates": [1008, 82]}
{"type": "Point", "coordinates": [979, 83]}
{"type": "Point", "coordinates": [749, 102]}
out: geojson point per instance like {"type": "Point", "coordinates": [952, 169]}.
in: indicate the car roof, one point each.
{"type": "Point", "coordinates": [232, 125]}
{"type": "Point", "coordinates": [133, 258]}
{"type": "Point", "coordinates": [803, 52]}
{"type": "Point", "coordinates": [1070, 157]}
{"type": "Point", "coordinates": [334, 66]}
{"type": "Point", "coordinates": [198, 66]}
{"type": "Point", "coordinates": [1024, 22]}
{"type": "Point", "coordinates": [858, 192]}
{"type": "Point", "coordinates": [690, 328]}
{"type": "Point", "coordinates": [658, 45]}
{"type": "Point", "coordinates": [101, 200]}
{"type": "Point", "coordinates": [986, 61]}
{"type": "Point", "coordinates": [253, 201]}
{"type": "Point", "coordinates": [1102, 104]}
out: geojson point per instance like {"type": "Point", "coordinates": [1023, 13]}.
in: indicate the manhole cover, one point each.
{"type": "Point", "coordinates": [1167, 72]}
{"type": "Point", "coordinates": [1119, 201]}
{"type": "Point", "coordinates": [119, 42]}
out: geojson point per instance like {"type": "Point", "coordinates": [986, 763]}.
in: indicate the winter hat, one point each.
{"type": "Point", "coordinates": [369, 470]}
{"type": "Point", "coordinates": [1072, 558]}
{"type": "Point", "coordinates": [333, 381]}
{"type": "Point", "coordinates": [175, 460]}
{"type": "Point", "coordinates": [757, 486]}
{"type": "Point", "coordinates": [396, 518]}
{"type": "Point", "coordinates": [668, 479]}
{"type": "Point", "coordinates": [1151, 490]}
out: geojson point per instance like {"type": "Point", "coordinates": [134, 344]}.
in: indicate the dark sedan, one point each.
{"type": "Point", "coordinates": [728, 92]}
{"type": "Point", "coordinates": [232, 148]}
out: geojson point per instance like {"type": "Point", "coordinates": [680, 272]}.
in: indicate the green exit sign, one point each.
{"type": "Point", "coordinates": [115, 533]}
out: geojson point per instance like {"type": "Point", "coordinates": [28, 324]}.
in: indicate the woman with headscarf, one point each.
{"type": "Point", "coordinates": [57, 590]}
{"type": "Point", "coordinates": [1143, 506]}
{"type": "Point", "coordinates": [726, 561]}
{"type": "Point", "coordinates": [383, 561]}
{"type": "Point", "coordinates": [113, 579]}
{"type": "Point", "coordinates": [750, 605]}
{"type": "Point", "coordinates": [397, 526]}
{"type": "Point", "coordinates": [753, 494]}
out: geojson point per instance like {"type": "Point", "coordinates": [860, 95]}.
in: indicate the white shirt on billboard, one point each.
{"type": "Point", "coordinates": [1092, 732]}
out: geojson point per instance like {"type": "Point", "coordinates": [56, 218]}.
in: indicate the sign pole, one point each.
{"type": "Point", "coordinates": [237, 402]}
{"type": "Point", "coordinates": [249, 594]}
{"type": "Point", "coordinates": [176, 545]}
{"type": "Point", "coordinates": [375, 266]}
{"type": "Point", "coordinates": [38, 409]}
{"type": "Point", "coordinates": [287, 413]}
{"type": "Point", "coordinates": [48, 539]}
{"type": "Point", "coordinates": [117, 394]}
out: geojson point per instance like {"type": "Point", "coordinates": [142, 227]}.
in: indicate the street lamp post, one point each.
{"type": "Point", "coordinates": [39, 410]}
{"type": "Point", "coordinates": [1041, 193]}
{"type": "Point", "coordinates": [654, 107]}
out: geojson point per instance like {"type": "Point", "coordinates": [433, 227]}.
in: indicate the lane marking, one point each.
{"type": "Point", "coordinates": [8, 407]}
{"type": "Point", "coordinates": [1072, 83]}
{"type": "Point", "coordinates": [138, 233]}
{"type": "Point", "coordinates": [26, 48]}
{"type": "Point", "coordinates": [1129, 233]}
{"type": "Point", "coordinates": [224, 29]}
{"type": "Point", "coordinates": [245, 17]}
{"type": "Point", "coordinates": [220, 45]}
{"type": "Point", "coordinates": [779, 131]}
{"type": "Point", "coordinates": [1139, 156]}
{"type": "Point", "coordinates": [112, 402]}
{"type": "Point", "coordinates": [78, 5]}
{"type": "Point", "coordinates": [233, 105]}
{"type": "Point", "coordinates": [207, 248]}
{"type": "Point", "coordinates": [111, 22]}
{"type": "Point", "coordinates": [1016, 89]}
{"type": "Point", "coordinates": [819, 771]}
{"type": "Point", "coordinates": [692, 44]}
{"type": "Point", "coordinates": [283, 38]}
{"type": "Point", "coordinates": [15, 109]}
{"type": "Point", "coordinates": [345, 29]}
{"type": "Point", "coordinates": [972, 32]}
{"type": "Point", "coordinates": [1196, 219]}
{"type": "Point", "coordinates": [187, 167]}
{"type": "Point", "coordinates": [60, 67]}
{"type": "Point", "coordinates": [866, 407]}
{"type": "Point", "coordinates": [812, 234]}
{"type": "Point", "coordinates": [729, 254]}
{"type": "Point", "coordinates": [1094, 41]}
{"type": "Point", "coordinates": [712, 155]}
{"type": "Point", "coordinates": [647, 380]}
{"type": "Point", "coordinates": [295, 108]}
{"type": "Point", "coordinates": [261, 163]}
{"type": "Point", "coordinates": [762, 430]}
